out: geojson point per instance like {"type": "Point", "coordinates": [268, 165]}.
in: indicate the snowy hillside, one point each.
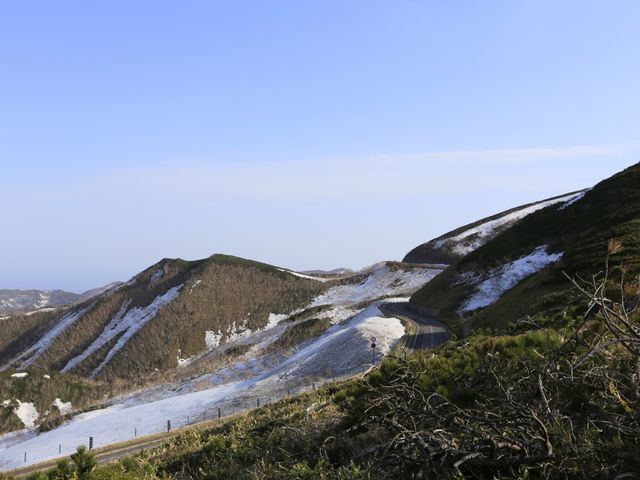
{"type": "Point", "coordinates": [262, 371]}
{"type": "Point", "coordinates": [345, 350]}
{"type": "Point", "coordinates": [455, 245]}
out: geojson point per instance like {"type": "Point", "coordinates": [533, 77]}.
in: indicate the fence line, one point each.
{"type": "Point", "coordinates": [236, 405]}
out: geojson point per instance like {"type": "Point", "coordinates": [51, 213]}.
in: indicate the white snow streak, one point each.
{"type": "Point", "coordinates": [19, 375]}
{"type": "Point", "coordinates": [508, 276]}
{"type": "Point", "coordinates": [573, 200]}
{"type": "Point", "coordinates": [126, 324]}
{"type": "Point", "coordinates": [475, 237]}
{"type": "Point", "coordinates": [37, 349]}
{"type": "Point", "coordinates": [308, 277]}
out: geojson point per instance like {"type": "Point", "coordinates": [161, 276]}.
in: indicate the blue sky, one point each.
{"type": "Point", "coordinates": [309, 134]}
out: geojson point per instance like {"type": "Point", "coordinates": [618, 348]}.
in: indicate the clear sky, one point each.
{"type": "Point", "coordinates": [308, 134]}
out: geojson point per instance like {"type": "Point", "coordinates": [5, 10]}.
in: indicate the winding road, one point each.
{"type": "Point", "coordinates": [430, 333]}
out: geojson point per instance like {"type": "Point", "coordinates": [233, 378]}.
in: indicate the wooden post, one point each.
{"type": "Point", "coordinates": [219, 414]}
{"type": "Point", "coordinates": [60, 449]}
{"type": "Point", "coordinates": [90, 443]}
{"type": "Point", "coordinates": [168, 425]}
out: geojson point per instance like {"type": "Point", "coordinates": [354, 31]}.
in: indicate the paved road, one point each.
{"type": "Point", "coordinates": [430, 333]}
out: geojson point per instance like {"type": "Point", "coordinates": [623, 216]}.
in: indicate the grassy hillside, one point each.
{"type": "Point", "coordinates": [582, 231]}
{"type": "Point", "coordinates": [221, 294]}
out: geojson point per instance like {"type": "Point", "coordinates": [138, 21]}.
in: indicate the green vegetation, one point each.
{"type": "Point", "coordinates": [81, 467]}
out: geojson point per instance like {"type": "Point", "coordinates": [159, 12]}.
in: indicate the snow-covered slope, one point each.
{"type": "Point", "coordinates": [492, 285]}
{"type": "Point", "coordinates": [455, 245]}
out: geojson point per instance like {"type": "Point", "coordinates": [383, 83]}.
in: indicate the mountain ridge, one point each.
{"type": "Point", "coordinates": [453, 245]}
{"type": "Point", "coordinates": [578, 232]}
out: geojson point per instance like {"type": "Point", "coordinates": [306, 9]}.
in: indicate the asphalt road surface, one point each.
{"type": "Point", "coordinates": [430, 333]}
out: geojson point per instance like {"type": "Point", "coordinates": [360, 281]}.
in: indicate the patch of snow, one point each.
{"type": "Point", "coordinates": [308, 277]}
{"type": "Point", "coordinates": [508, 276]}
{"type": "Point", "coordinates": [472, 239]}
{"type": "Point", "coordinates": [63, 408]}
{"type": "Point", "coordinates": [155, 276]}
{"type": "Point", "coordinates": [6, 403]}
{"type": "Point", "coordinates": [275, 319]}
{"type": "Point", "coordinates": [40, 310]}
{"type": "Point", "coordinates": [380, 282]}
{"type": "Point", "coordinates": [20, 375]}
{"type": "Point", "coordinates": [237, 332]}
{"type": "Point", "coordinates": [573, 200]}
{"type": "Point", "coordinates": [27, 414]}
{"type": "Point", "coordinates": [340, 313]}
{"type": "Point", "coordinates": [212, 339]}
{"type": "Point", "coordinates": [37, 349]}
{"type": "Point", "coordinates": [183, 362]}
{"type": "Point", "coordinates": [43, 300]}
{"type": "Point", "coordinates": [126, 323]}
{"type": "Point", "coordinates": [46, 377]}
{"type": "Point", "coordinates": [194, 285]}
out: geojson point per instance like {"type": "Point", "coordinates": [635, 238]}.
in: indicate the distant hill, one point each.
{"type": "Point", "coordinates": [13, 301]}
{"type": "Point", "coordinates": [336, 272]}
{"type": "Point", "coordinates": [454, 245]}
{"type": "Point", "coordinates": [520, 270]}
